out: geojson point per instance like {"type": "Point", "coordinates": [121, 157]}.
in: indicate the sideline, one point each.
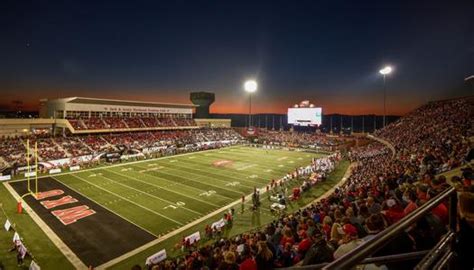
{"type": "Point", "coordinates": [331, 190]}
{"type": "Point", "coordinates": [63, 248]}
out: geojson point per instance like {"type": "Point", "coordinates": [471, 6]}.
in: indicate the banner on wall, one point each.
{"type": "Point", "coordinates": [30, 174]}
{"type": "Point", "coordinates": [74, 168]}
{"type": "Point", "coordinates": [156, 258]}
{"type": "Point", "coordinates": [218, 224]}
{"type": "Point", "coordinates": [193, 238]}
{"type": "Point", "coordinates": [5, 177]}
{"type": "Point", "coordinates": [53, 171]}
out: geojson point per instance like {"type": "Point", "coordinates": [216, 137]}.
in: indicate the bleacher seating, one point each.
{"type": "Point", "coordinates": [128, 122]}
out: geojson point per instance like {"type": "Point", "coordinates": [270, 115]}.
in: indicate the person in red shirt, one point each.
{"type": "Point", "coordinates": [410, 197]}
{"type": "Point", "coordinates": [287, 237]}
{"type": "Point", "coordinates": [249, 262]}
{"type": "Point", "coordinates": [394, 212]}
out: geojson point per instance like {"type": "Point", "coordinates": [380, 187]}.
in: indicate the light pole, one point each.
{"type": "Point", "coordinates": [250, 87]}
{"type": "Point", "coordinates": [385, 71]}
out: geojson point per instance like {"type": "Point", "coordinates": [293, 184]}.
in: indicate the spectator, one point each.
{"type": "Point", "coordinates": [264, 256]}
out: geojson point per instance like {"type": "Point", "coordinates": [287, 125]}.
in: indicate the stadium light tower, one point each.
{"type": "Point", "coordinates": [250, 87]}
{"type": "Point", "coordinates": [385, 71]}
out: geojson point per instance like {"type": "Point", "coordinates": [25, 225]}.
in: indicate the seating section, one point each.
{"type": "Point", "coordinates": [300, 139]}
{"type": "Point", "coordinates": [95, 123]}
{"type": "Point", "coordinates": [132, 122]}
{"type": "Point", "coordinates": [13, 150]}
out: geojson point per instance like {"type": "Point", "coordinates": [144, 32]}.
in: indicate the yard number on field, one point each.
{"type": "Point", "coordinates": [173, 206]}
{"type": "Point", "coordinates": [208, 193]}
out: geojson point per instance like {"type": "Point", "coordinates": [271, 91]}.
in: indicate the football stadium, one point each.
{"type": "Point", "coordinates": [253, 173]}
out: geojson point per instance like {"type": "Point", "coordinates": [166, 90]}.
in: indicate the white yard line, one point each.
{"type": "Point", "coordinates": [65, 250]}
{"type": "Point", "coordinates": [207, 184]}
{"type": "Point", "coordinates": [162, 187]}
{"type": "Point", "coordinates": [170, 202]}
{"type": "Point", "coordinates": [235, 173]}
{"type": "Point", "coordinates": [246, 167]}
{"type": "Point", "coordinates": [214, 176]}
{"type": "Point", "coordinates": [151, 195]}
{"type": "Point", "coordinates": [184, 185]}
{"type": "Point", "coordinates": [125, 199]}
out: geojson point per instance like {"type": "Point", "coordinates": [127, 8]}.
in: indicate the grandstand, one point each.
{"type": "Point", "coordinates": [165, 192]}
{"type": "Point", "coordinates": [104, 115]}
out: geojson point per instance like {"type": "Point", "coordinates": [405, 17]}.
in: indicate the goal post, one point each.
{"type": "Point", "coordinates": [28, 174]}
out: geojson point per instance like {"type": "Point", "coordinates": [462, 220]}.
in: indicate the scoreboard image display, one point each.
{"type": "Point", "coordinates": [304, 116]}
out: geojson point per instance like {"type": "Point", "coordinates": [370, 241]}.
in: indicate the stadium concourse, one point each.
{"type": "Point", "coordinates": [382, 188]}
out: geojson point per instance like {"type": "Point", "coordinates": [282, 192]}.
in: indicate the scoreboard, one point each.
{"type": "Point", "coordinates": [305, 116]}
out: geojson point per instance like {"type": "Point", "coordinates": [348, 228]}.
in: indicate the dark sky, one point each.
{"type": "Point", "coordinates": [326, 51]}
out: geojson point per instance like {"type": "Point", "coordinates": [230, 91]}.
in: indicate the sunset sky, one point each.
{"type": "Point", "coordinates": [328, 52]}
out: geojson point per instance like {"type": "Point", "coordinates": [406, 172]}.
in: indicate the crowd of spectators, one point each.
{"type": "Point", "coordinates": [381, 189]}
{"type": "Point", "coordinates": [300, 139]}
{"type": "Point", "coordinates": [434, 137]}
{"type": "Point", "coordinates": [13, 150]}
{"type": "Point", "coordinates": [128, 122]}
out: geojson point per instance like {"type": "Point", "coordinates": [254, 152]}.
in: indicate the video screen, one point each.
{"type": "Point", "coordinates": [304, 116]}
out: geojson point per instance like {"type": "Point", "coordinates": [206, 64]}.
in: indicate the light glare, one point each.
{"type": "Point", "coordinates": [386, 70]}
{"type": "Point", "coordinates": [250, 86]}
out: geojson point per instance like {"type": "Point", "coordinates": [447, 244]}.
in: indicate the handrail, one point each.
{"type": "Point", "coordinates": [437, 251]}
{"type": "Point", "coordinates": [376, 260]}
{"type": "Point", "coordinates": [366, 249]}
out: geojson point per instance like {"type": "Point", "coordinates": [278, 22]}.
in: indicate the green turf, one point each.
{"type": "Point", "coordinates": [161, 195]}
{"type": "Point", "coordinates": [244, 220]}
{"type": "Point", "coordinates": [164, 194]}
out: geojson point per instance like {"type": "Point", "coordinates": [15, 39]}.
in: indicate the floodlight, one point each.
{"type": "Point", "coordinates": [386, 70]}
{"type": "Point", "coordinates": [250, 86]}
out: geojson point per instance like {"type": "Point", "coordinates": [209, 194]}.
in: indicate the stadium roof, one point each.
{"type": "Point", "coordinates": [84, 100]}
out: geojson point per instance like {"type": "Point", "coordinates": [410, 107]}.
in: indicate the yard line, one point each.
{"type": "Point", "coordinates": [183, 184]}
{"type": "Point", "coordinates": [173, 191]}
{"type": "Point", "coordinates": [101, 204]}
{"type": "Point", "coordinates": [194, 165]}
{"type": "Point", "coordinates": [214, 174]}
{"type": "Point", "coordinates": [206, 183]}
{"type": "Point", "coordinates": [125, 199]}
{"type": "Point", "coordinates": [226, 171]}
{"type": "Point", "coordinates": [246, 159]}
{"type": "Point", "coordinates": [246, 167]}
{"type": "Point", "coordinates": [151, 195]}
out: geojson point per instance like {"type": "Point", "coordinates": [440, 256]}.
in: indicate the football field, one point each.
{"type": "Point", "coordinates": [134, 203]}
